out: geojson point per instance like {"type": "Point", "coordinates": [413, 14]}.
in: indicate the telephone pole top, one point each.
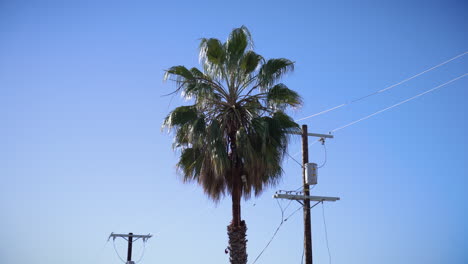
{"type": "Point", "coordinates": [129, 237]}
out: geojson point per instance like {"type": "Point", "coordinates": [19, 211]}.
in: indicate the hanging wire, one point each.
{"type": "Point", "coordinates": [294, 212]}
{"type": "Point", "coordinates": [143, 252]}
{"type": "Point", "coordinates": [121, 259]}
{"type": "Point", "coordinates": [300, 207]}
{"type": "Point", "coordinates": [290, 201]}
{"type": "Point", "coordinates": [385, 89]}
{"type": "Point", "coordinates": [299, 152]}
{"type": "Point", "coordinates": [326, 233]}
{"type": "Point", "coordinates": [274, 234]}
{"type": "Point", "coordinates": [298, 188]}
{"type": "Point", "coordinates": [279, 226]}
{"type": "Point", "coordinates": [325, 159]}
{"type": "Point", "coordinates": [291, 157]}
{"type": "Point", "coordinates": [400, 103]}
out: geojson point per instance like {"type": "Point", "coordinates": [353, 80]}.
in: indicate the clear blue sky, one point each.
{"type": "Point", "coordinates": [82, 154]}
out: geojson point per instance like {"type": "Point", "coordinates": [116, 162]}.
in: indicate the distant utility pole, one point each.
{"type": "Point", "coordinates": [130, 244]}
{"type": "Point", "coordinates": [306, 197]}
{"type": "Point", "coordinates": [130, 240]}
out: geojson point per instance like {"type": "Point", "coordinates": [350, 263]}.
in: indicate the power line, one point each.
{"type": "Point", "coordinates": [142, 252]}
{"type": "Point", "coordinates": [291, 157]}
{"type": "Point", "coordinates": [118, 255]}
{"type": "Point", "coordinates": [385, 89]}
{"type": "Point", "coordinates": [400, 103]}
{"type": "Point", "coordinates": [325, 149]}
{"type": "Point", "coordinates": [274, 234]}
{"type": "Point", "coordinates": [326, 233]}
{"type": "Point", "coordinates": [299, 152]}
{"type": "Point", "coordinates": [293, 213]}
{"type": "Point", "coordinates": [279, 226]}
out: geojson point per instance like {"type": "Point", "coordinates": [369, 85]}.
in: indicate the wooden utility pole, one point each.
{"type": "Point", "coordinates": [129, 251]}
{"type": "Point", "coordinates": [307, 220]}
{"type": "Point", "coordinates": [306, 197]}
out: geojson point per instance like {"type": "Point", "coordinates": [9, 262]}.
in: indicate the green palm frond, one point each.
{"type": "Point", "coordinates": [280, 96]}
{"type": "Point", "coordinates": [239, 40]}
{"type": "Point", "coordinates": [272, 71]}
{"type": "Point", "coordinates": [180, 72]}
{"type": "Point", "coordinates": [212, 54]}
{"type": "Point", "coordinates": [182, 76]}
{"type": "Point", "coordinates": [181, 116]}
{"type": "Point", "coordinates": [250, 61]}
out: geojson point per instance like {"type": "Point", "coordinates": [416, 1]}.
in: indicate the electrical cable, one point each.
{"type": "Point", "coordinates": [274, 234]}
{"type": "Point", "coordinates": [294, 159]}
{"type": "Point", "coordinates": [326, 233]}
{"type": "Point", "coordinates": [311, 188]}
{"type": "Point", "coordinates": [142, 253]}
{"type": "Point", "coordinates": [279, 227]}
{"type": "Point", "coordinates": [300, 207]}
{"type": "Point", "coordinates": [299, 152]}
{"type": "Point", "coordinates": [385, 89]}
{"type": "Point", "coordinates": [290, 201]}
{"type": "Point", "coordinates": [121, 259]}
{"type": "Point", "coordinates": [298, 188]}
{"type": "Point", "coordinates": [325, 161]}
{"type": "Point", "coordinates": [295, 211]}
{"type": "Point", "coordinates": [400, 103]}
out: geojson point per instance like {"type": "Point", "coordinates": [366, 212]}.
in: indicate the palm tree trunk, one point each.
{"type": "Point", "coordinates": [237, 243]}
{"type": "Point", "coordinates": [237, 230]}
{"type": "Point", "coordinates": [236, 197]}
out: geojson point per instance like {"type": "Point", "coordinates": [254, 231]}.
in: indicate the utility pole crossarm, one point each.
{"type": "Point", "coordinates": [128, 235]}
{"type": "Point", "coordinates": [306, 197]}
{"type": "Point", "coordinates": [313, 134]}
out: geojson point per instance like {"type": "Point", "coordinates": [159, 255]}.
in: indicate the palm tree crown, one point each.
{"type": "Point", "coordinates": [236, 127]}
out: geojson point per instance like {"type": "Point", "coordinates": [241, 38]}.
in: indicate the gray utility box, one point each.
{"type": "Point", "coordinates": [311, 171]}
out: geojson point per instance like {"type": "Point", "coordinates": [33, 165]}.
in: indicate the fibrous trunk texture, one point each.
{"type": "Point", "coordinates": [237, 243]}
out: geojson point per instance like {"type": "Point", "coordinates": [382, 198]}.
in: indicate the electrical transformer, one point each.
{"type": "Point", "coordinates": [311, 173]}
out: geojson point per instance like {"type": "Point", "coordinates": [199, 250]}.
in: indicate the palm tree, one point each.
{"type": "Point", "coordinates": [234, 136]}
